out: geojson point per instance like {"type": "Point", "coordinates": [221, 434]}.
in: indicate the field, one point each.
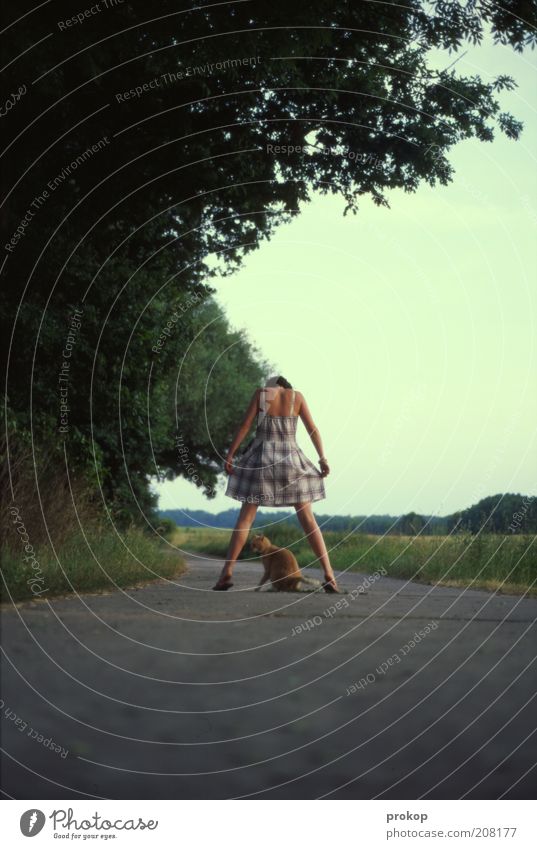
{"type": "Point", "coordinates": [488, 561]}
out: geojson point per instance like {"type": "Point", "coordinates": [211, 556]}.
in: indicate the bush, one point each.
{"type": "Point", "coordinates": [166, 528]}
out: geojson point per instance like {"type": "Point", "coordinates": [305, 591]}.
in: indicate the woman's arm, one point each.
{"type": "Point", "coordinates": [313, 433]}
{"type": "Point", "coordinates": [244, 427]}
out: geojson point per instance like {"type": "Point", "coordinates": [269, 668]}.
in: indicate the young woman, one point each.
{"type": "Point", "coordinates": [273, 471]}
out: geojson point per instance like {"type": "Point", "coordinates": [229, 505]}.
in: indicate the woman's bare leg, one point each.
{"type": "Point", "coordinates": [315, 538]}
{"type": "Point", "coordinates": [239, 535]}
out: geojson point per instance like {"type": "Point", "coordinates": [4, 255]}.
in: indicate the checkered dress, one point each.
{"type": "Point", "coordinates": [274, 471]}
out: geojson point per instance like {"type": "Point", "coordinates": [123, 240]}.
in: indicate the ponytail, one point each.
{"type": "Point", "coordinates": [283, 382]}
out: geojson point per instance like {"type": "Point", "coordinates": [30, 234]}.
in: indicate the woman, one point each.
{"type": "Point", "coordinates": [274, 471]}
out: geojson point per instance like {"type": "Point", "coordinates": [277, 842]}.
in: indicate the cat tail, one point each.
{"type": "Point", "coordinates": [309, 585]}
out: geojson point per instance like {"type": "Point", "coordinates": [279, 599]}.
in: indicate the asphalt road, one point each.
{"type": "Point", "coordinates": [173, 691]}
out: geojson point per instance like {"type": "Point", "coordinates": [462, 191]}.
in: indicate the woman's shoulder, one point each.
{"type": "Point", "coordinates": [299, 400]}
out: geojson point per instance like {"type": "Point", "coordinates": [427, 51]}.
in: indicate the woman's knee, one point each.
{"type": "Point", "coordinates": [248, 512]}
{"type": "Point", "coordinates": [305, 516]}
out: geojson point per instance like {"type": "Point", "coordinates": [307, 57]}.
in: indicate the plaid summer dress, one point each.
{"type": "Point", "coordinates": [273, 470]}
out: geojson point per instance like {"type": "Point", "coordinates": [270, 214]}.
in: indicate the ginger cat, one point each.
{"type": "Point", "coordinates": [281, 569]}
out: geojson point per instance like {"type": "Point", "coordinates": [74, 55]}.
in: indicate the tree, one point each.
{"type": "Point", "coordinates": [410, 524]}
{"type": "Point", "coordinates": [140, 146]}
{"type": "Point", "coordinates": [504, 513]}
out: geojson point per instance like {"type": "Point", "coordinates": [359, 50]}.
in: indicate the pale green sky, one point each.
{"type": "Point", "coordinates": [411, 331]}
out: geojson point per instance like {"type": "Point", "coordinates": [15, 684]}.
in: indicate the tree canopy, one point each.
{"type": "Point", "coordinates": [144, 143]}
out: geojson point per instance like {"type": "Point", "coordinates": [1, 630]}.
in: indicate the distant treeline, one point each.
{"type": "Point", "coordinates": [499, 514]}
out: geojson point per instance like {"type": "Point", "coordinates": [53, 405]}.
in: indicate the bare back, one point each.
{"type": "Point", "coordinates": [278, 403]}
{"type": "Point", "coordinates": [279, 400]}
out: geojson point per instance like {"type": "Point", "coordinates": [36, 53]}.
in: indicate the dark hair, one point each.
{"type": "Point", "coordinates": [283, 382]}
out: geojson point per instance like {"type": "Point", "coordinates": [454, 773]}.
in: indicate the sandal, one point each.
{"type": "Point", "coordinates": [225, 585]}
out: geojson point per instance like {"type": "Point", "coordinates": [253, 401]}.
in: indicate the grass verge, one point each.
{"type": "Point", "coordinates": [100, 561]}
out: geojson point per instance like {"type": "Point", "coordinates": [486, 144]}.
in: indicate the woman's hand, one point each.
{"type": "Point", "coordinates": [229, 465]}
{"type": "Point", "coordinates": [325, 468]}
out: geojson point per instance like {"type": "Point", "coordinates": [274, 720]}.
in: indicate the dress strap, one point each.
{"type": "Point", "coordinates": [292, 403]}
{"type": "Point", "coordinates": [262, 405]}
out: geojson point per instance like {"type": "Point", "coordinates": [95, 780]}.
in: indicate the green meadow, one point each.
{"type": "Point", "coordinates": [488, 561]}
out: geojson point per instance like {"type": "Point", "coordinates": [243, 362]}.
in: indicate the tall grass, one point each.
{"type": "Point", "coordinates": [55, 539]}
{"type": "Point", "coordinates": [487, 561]}
{"type": "Point", "coordinates": [102, 560]}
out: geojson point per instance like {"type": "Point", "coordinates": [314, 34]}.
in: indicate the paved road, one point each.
{"type": "Point", "coordinates": [173, 691]}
